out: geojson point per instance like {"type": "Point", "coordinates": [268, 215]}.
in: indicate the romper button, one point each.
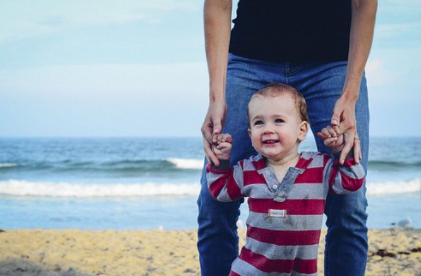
{"type": "Point", "coordinates": [275, 186]}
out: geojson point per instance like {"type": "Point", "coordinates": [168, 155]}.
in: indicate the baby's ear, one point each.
{"type": "Point", "coordinates": [249, 132]}
{"type": "Point", "coordinates": [303, 130]}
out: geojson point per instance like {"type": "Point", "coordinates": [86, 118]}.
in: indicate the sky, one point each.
{"type": "Point", "coordinates": [75, 68]}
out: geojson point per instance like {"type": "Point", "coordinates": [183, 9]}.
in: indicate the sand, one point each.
{"type": "Point", "coordinates": [158, 252]}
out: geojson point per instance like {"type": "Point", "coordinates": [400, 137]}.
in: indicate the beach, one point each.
{"type": "Point", "coordinates": [161, 252]}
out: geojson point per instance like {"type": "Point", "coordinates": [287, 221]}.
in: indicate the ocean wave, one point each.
{"type": "Point", "coordinates": [63, 189]}
{"type": "Point", "coordinates": [187, 163]}
{"type": "Point", "coordinates": [118, 166]}
{"type": "Point", "coordinates": [394, 187]}
{"type": "Point", "coordinates": [387, 165]}
{"type": "Point", "coordinates": [7, 165]}
{"type": "Point", "coordinates": [142, 166]}
{"type": "Point", "coordinates": [59, 189]}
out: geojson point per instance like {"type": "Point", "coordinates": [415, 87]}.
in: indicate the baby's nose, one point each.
{"type": "Point", "coordinates": [268, 129]}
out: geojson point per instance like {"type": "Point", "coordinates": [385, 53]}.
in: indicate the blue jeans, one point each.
{"type": "Point", "coordinates": [321, 84]}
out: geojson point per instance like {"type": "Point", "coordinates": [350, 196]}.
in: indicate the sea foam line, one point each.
{"type": "Point", "coordinates": [59, 189]}
{"type": "Point", "coordinates": [394, 187]}
{"type": "Point", "coordinates": [7, 165]}
{"type": "Point", "coordinates": [62, 189]}
{"type": "Point", "coordinates": [187, 163]}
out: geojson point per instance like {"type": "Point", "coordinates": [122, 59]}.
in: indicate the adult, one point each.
{"type": "Point", "coordinates": [319, 47]}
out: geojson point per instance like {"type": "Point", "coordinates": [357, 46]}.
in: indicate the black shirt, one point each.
{"type": "Point", "coordinates": [292, 30]}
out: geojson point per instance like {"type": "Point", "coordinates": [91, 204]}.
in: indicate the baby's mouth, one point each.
{"type": "Point", "coordinates": [270, 141]}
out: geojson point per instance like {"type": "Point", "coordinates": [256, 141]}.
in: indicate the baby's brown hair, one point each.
{"type": "Point", "coordinates": [277, 89]}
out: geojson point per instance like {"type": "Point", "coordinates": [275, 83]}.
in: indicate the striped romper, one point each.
{"type": "Point", "coordinates": [285, 218]}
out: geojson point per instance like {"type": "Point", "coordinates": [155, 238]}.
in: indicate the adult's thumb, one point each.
{"type": "Point", "coordinates": [335, 119]}
{"type": "Point", "coordinates": [217, 127]}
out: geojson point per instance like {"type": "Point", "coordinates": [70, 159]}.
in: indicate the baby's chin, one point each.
{"type": "Point", "coordinates": [271, 157]}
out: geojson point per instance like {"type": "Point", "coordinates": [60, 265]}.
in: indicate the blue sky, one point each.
{"type": "Point", "coordinates": [137, 68]}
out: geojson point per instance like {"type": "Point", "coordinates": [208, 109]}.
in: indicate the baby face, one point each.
{"type": "Point", "coordinates": [275, 126]}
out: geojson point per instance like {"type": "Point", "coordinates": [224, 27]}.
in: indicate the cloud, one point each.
{"type": "Point", "coordinates": [399, 5]}
{"type": "Point", "coordinates": [105, 100]}
{"type": "Point", "coordinates": [377, 74]}
{"type": "Point", "coordinates": [21, 19]}
{"type": "Point", "coordinates": [394, 30]}
{"type": "Point", "coordinates": [97, 82]}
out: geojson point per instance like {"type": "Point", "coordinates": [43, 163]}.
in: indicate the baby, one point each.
{"type": "Point", "coordinates": [287, 190]}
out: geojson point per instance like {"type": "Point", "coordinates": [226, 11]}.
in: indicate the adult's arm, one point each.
{"type": "Point", "coordinates": [217, 17]}
{"type": "Point", "coordinates": [361, 37]}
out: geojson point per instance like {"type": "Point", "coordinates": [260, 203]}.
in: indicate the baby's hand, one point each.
{"type": "Point", "coordinates": [333, 139]}
{"type": "Point", "coordinates": [222, 144]}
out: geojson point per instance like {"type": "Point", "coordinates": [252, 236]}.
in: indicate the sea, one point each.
{"type": "Point", "coordinates": [153, 183]}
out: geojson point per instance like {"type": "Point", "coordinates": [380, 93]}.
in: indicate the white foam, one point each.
{"type": "Point", "coordinates": [7, 165]}
{"type": "Point", "coordinates": [51, 189]}
{"type": "Point", "coordinates": [394, 187]}
{"type": "Point", "coordinates": [63, 189]}
{"type": "Point", "coordinates": [187, 163]}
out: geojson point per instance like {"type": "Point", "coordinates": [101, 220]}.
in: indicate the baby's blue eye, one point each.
{"type": "Point", "coordinates": [258, 122]}
{"type": "Point", "coordinates": [278, 121]}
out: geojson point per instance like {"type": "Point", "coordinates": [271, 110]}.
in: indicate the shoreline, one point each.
{"type": "Point", "coordinates": [72, 252]}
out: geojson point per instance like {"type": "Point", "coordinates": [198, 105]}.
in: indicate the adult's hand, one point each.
{"type": "Point", "coordinates": [211, 126]}
{"type": "Point", "coordinates": [343, 120]}
{"type": "Point", "coordinates": [361, 37]}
